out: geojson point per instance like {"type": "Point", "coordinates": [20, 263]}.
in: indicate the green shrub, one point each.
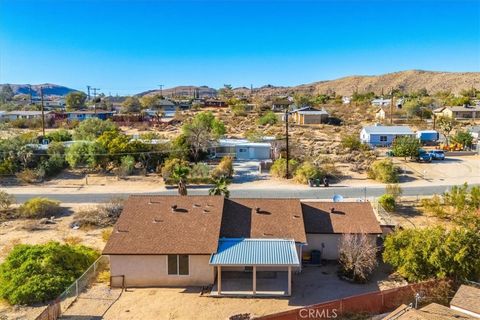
{"type": "Point", "coordinates": [170, 164]}
{"type": "Point", "coordinates": [39, 208]}
{"type": "Point", "coordinates": [307, 171]}
{"type": "Point", "coordinates": [352, 142]}
{"type": "Point", "coordinates": [279, 167]}
{"type": "Point", "coordinates": [8, 167]}
{"type": "Point", "coordinates": [127, 165]}
{"type": "Point", "coordinates": [420, 254]}
{"type": "Point", "coordinates": [268, 118]}
{"type": "Point", "coordinates": [93, 128]}
{"type": "Point", "coordinates": [387, 201]}
{"type": "Point", "coordinates": [383, 171]}
{"type": "Point", "coordinates": [200, 170]}
{"type": "Point", "coordinates": [53, 165]}
{"type": "Point", "coordinates": [31, 175]}
{"type": "Point", "coordinates": [59, 135]}
{"type": "Point", "coordinates": [39, 273]}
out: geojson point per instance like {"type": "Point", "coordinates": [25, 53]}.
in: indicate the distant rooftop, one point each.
{"type": "Point", "coordinates": [388, 129]}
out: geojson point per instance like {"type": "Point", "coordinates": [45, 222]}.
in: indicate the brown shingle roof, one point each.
{"type": "Point", "coordinates": [348, 217]}
{"type": "Point", "coordinates": [148, 225]}
{"type": "Point", "coordinates": [433, 311]}
{"type": "Point", "coordinates": [276, 218]}
{"type": "Point", "coordinates": [467, 298]}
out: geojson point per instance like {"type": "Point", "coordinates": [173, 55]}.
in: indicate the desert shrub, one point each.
{"type": "Point", "coordinates": [307, 171]}
{"type": "Point", "coordinates": [358, 257]}
{"type": "Point", "coordinates": [394, 189]}
{"type": "Point", "coordinates": [6, 200]}
{"type": "Point", "coordinates": [30, 175]}
{"type": "Point", "coordinates": [387, 201]}
{"type": "Point", "coordinates": [352, 142]}
{"type": "Point", "coordinates": [127, 165]}
{"type": "Point", "coordinates": [53, 165]}
{"type": "Point", "coordinates": [383, 171]}
{"type": "Point", "coordinates": [279, 167]}
{"type": "Point", "coordinates": [104, 215]}
{"type": "Point", "coordinates": [59, 135]}
{"type": "Point", "coordinates": [434, 252]}
{"type": "Point", "coordinates": [106, 234]}
{"type": "Point", "coordinates": [268, 118]}
{"type": "Point", "coordinates": [7, 167]}
{"type": "Point", "coordinates": [434, 206]}
{"type": "Point", "coordinates": [104, 276]}
{"type": "Point", "coordinates": [72, 240]}
{"type": "Point", "coordinates": [39, 208]}
{"type": "Point", "coordinates": [170, 165]}
{"type": "Point", "coordinates": [200, 170]}
{"type": "Point", "coordinates": [93, 128]}
{"type": "Point", "coordinates": [224, 168]}
{"type": "Point", "coordinates": [39, 273]}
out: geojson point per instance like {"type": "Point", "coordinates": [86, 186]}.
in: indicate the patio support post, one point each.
{"type": "Point", "coordinates": [254, 280]}
{"type": "Point", "coordinates": [289, 280]}
{"type": "Point", "coordinates": [219, 279]}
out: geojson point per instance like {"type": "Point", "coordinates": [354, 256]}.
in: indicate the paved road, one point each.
{"type": "Point", "coordinates": [313, 193]}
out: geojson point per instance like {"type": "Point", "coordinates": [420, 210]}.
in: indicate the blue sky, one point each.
{"type": "Point", "coordinates": [126, 47]}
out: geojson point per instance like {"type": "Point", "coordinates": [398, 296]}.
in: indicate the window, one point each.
{"type": "Point", "coordinates": [383, 138]}
{"type": "Point", "coordinates": [242, 150]}
{"type": "Point", "coordinates": [178, 264]}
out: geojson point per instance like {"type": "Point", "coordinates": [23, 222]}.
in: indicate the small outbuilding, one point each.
{"type": "Point", "coordinates": [242, 149]}
{"type": "Point", "coordinates": [309, 115]}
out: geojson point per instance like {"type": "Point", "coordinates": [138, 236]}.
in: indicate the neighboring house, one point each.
{"type": "Point", "coordinates": [464, 305]}
{"type": "Point", "coordinates": [2, 113]}
{"type": "Point", "coordinates": [467, 301]}
{"type": "Point", "coordinates": [386, 102]}
{"type": "Point", "coordinates": [309, 115]}
{"type": "Point", "coordinates": [380, 114]}
{"type": "Point", "coordinates": [212, 240]}
{"type": "Point", "coordinates": [242, 149]}
{"type": "Point", "coordinates": [15, 115]}
{"type": "Point", "coordinates": [458, 112]}
{"type": "Point", "coordinates": [280, 105]}
{"type": "Point", "coordinates": [346, 100]}
{"type": "Point", "coordinates": [215, 103]}
{"type": "Point", "coordinates": [88, 114]}
{"type": "Point", "coordinates": [474, 131]}
{"type": "Point", "coordinates": [433, 311]}
{"type": "Point", "coordinates": [379, 135]}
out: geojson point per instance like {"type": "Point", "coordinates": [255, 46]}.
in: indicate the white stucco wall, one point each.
{"type": "Point", "coordinates": [151, 271]}
{"type": "Point", "coordinates": [331, 243]}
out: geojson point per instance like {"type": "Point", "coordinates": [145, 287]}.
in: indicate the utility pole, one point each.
{"type": "Point", "coordinates": [391, 107]}
{"type": "Point", "coordinates": [43, 113]}
{"type": "Point", "coordinates": [287, 176]}
{"type": "Point", "coordinates": [95, 92]}
{"type": "Point", "coordinates": [161, 89]}
{"type": "Point", "coordinates": [94, 98]}
{"type": "Point", "coordinates": [88, 93]}
{"type": "Point", "coordinates": [30, 91]}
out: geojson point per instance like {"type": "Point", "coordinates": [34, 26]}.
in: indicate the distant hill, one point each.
{"type": "Point", "coordinates": [49, 89]}
{"type": "Point", "coordinates": [203, 91]}
{"type": "Point", "coordinates": [408, 81]}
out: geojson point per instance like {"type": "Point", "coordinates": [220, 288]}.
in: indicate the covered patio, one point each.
{"type": "Point", "coordinates": [254, 267]}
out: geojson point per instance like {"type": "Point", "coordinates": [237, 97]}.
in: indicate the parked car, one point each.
{"type": "Point", "coordinates": [437, 154]}
{"type": "Point", "coordinates": [424, 156]}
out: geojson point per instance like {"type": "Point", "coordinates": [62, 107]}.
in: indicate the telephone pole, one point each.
{"type": "Point", "coordinates": [161, 89]}
{"type": "Point", "coordinates": [391, 107]}
{"type": "Point", "coordinates": [30, 91]}
{"type": "Point", "coordinates": [88, 93]}
{"type": "Point", "coordinates": [43, 113]}
{"type": "Point", "coordinates": [95, 92]}
{"type": "Point", "coordinates": [287, 176]}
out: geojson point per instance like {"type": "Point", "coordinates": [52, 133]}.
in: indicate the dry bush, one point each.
{"type": "Point", "coordinates": [103, 276]}
{"type": "Point", "coordinates": [72, 240]}
{"type": "Point", "coordinates": [33, 226]}
{"type": "Point", "coordinates": [104, 215]}
{"type": "Point", "coordinates": [106, 234]}
{"type": "Point", "coordinates": [358, 257]}
{"type": "Point", "coordinates": [9, 246]}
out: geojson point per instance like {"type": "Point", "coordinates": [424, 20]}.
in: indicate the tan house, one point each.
{"type": "Point", "coordinates": [309, 115]}
{"type": "Point", "coordinates": [211, 240]}
{"type": "Point", "coordinates": [458, 112]}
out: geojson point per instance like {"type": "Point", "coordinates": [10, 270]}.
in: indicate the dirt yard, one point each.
{"type": "Point", "coordinates": [24, 231]}
{"type": "Point", "coordinates": [313, 285]}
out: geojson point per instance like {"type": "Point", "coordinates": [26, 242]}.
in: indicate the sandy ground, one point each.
{"type": "Point", "coordinates": [13, 232]}
{"type": "Point", "coordinates": [313, 285]}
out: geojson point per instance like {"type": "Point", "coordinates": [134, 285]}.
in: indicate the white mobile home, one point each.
{"type": "Point", "coordinates": [383, 135]}
{"type": "Point", "coordinates": [242, 149]}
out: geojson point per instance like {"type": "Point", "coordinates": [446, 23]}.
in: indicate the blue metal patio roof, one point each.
{"type": "Point", "coordinates": [255, 252]}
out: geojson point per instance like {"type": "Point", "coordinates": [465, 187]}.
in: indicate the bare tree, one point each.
{"type": "Point", "coordinates": [358, 256]}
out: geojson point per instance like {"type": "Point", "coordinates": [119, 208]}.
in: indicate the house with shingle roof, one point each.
{"type": "Point", "coordinates": [209, 240]}
{"type": "Point", "coordinates": [467, 301]}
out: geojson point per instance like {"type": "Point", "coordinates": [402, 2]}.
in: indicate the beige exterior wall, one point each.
{"type": "Point", "coordinates": [151, 271]}
{"type": "Point", "coordinates": [331, 242]}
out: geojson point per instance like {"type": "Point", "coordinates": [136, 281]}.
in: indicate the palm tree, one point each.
{"type": "Point", "coordinates": [220, 187]}
{"type": "Point", "coordinates": [179, 175]}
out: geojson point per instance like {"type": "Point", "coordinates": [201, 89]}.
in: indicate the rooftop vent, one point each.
{"type": "Point", "coordinates": [174, 208]}
{"type": "Point", "coordinates": [257, 210]}
{"type": "Point", "coordinates": [296, 216]}
{"type": "Point", "coordinates": [268, 234]}
{"type": "Point", "coordinates": [157, 220]}
{"type": "Point", "coordinates": [121, 230]}
{"type": "Point", "coordinates": [332, 210]}
{"type": "Point", "coordinates": [206, 211]}
{"type": "Point", "coordinates": [196, 205]}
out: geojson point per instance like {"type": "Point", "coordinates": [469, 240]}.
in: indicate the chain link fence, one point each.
{"type": "Point", "coordinates": [70, 295]}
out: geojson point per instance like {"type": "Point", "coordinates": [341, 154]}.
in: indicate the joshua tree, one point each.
{"type": "Point", "coordinates": [220, 187]}
{"type": "Point", "coordinates": [180, 175]}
